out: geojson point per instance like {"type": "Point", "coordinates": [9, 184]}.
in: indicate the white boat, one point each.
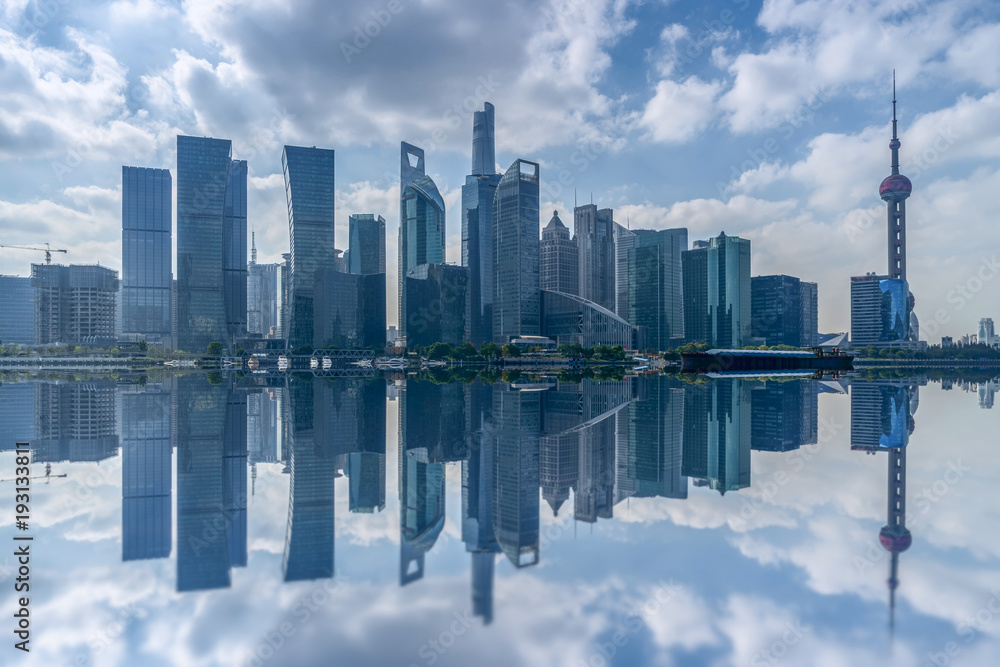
{"type": "Point", "coordinates": [327, 363]}
{"type": "Point", "coordinates": [314, 363]}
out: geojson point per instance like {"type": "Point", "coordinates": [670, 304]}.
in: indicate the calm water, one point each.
{"type": "Point", "coordinates": [208, 521]}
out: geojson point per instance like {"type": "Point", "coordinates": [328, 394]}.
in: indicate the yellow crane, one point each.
{"type": "Point", "coordinates": [48, 250]}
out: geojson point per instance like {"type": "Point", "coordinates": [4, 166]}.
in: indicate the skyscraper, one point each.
{"type": "Point", "coordinates": [783, 310]}
{"type": "Point", "coordinates": [516, 299]}
{"type": "Point", "coordinates": [654, 431]}
{"type": "Point", "coordinates": [810, 313]}
{"type": "Point", "coordinates": [559, 258]}
{"type": "Point", "coordinates": [211, 243]}
{"type": "Point", "coordinates": [624, 241]}
{"type": "Point", "coordinates": [477, 226]}
{"type": "Point", "coordinates": [655, 292]}
{"type": "Point", "coordinates": [717, 421]}
{"type": "Point", "coordinates": [263, 295]}
{"type": "Point", "coordinates": [880, 310]}
{"type": "Point", "coordinates": [594, 230]}
{"type": "Point", "coordinates": [349, 310]}
{"type": "Point", "coordinates": [309, 189]}
{"type": "Point", "coordinates": [717, 292]}
{"type": "Point", "coordinates": [146, 471]}
{"type": "Point", "coordinates": [146, 252]}
{"type": "Point", "coordinates": [517, 416]}
{"type": "Point", "coordinates": [17, 303]}
{"type": "Point", "coordinates": [366, 238]}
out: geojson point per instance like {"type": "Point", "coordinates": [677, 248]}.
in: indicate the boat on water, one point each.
{"type": "Point", "coordinates": [327, 363]}
{"type": "Point", "coordinates": [742, 361]}
{"type": "Point", "coordinates": [314, 363]}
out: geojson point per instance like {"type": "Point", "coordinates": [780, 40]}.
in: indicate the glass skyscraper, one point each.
{"type": "Point", "coordinates": [309, 190]}
{"type": "Point", "coordinates": [349, 310]}
{"type": "Point", "coordinates": [717, 292]}
{"type": "Point", "coordinates": [421, 220]}
{"type": "Point", "coordinates": [211, 243]}
{"type": "Point", "coordinates": [366, 238]}
{"type": "Point", "coordinates": [146, 252]}
{"type": "Point", "coordinates": [17, 303]}
{"type": "Point", "coordinates": [436, 304]}
{"type": "Point", "coordinates": [594, 231]}
{"type": "Point", "coordinates": [516, 278]}
{"type": "Point", "coordinates": [477, 226]}
{"type": "Point", "coordinates": [559, 258]}
{"type": "Point", "coordinates": [655, 292]}
{"type": "Point", "coordinates": [146, 471]}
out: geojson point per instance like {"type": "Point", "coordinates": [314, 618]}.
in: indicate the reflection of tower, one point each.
{"type": "Point", "coordinates": [234, 486]}
{"type": "Point", "coordinates": [309, 537]}
{"type": "Point", "coordinates": [477, 498]}
{"type": "Point", "coordinates": [517, 415]}
{"type": "Point", "coordinates": [75, 421]}
{"type": "Point", "coordinates": [894, 536]}
{"type": "Point", "coordinates": [421, 503]}
{"type": "Point", "coordinates": [654, 432]}
{"type": "Point", "coordinates": [717, 434]}
{"type": "Point", "coordinates": [146, 472]}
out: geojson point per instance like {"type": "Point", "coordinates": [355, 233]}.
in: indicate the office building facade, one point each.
{"type": "Point", "coordinates": [880, 311]}
{"type": "Point", "coordinates": [309, 190]}
{"type": "Point", "coordinates": [436, 299]}
{"type": "Point", "coordinates": [570, 319]}
{"type": "Point", "coordinates": [654, 280]}
{"type": "Point", "coordinates": [716, 286]}
{"type": "Point", "coordinates": [17, 303]}
{"type": "Point", "coordinates": [559, 260]}
{"type": "Point", "coordinates": [147, 253]}
{"type": "Point", "coordinates": [516, 280]}
{"type": "Point", "coordinates": [211, 243]}
{"type": "Point", "coordinates": [593, 230]}
{"type": "Point", "coordinates": [366, 244]}
{"type": "Point", "coordinates": [349, 310]}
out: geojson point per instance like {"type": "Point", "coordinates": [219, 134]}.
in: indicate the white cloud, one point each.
{"type": "Point", "coordinates": [680, 111]}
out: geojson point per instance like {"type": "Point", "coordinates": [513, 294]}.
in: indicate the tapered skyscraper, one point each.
{"type": "Point", "coordinates": [477, 227]}
{"type": "Point", "coordinates": [211, 243]}
{"type": "Point", "coordinates": [309, 188]}
{"type": "Point", "coordinates": [594, 231]}
{"type": "Point", "coordinates": [516, 297]}
{"type": "Point", "coordinates": [421, 220]}
{"type": "Point", "coordinates": [146, 252]}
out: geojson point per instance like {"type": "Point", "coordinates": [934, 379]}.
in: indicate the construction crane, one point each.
{"type": "Point", "coordinates": [48, 250]}
{"type": "Point", "coordinates": [47, 476]}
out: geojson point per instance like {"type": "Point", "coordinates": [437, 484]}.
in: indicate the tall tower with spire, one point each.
{"type": "Point", "coordinates": [895, 189]}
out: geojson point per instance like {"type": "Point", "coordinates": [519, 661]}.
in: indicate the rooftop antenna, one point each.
{"type": "Point", "coordinates": [574, 199]}
{"type": "Point", "coordinates": [253, 247]}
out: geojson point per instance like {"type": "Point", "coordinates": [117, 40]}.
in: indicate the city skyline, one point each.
{"type": "Point", "coordinates": [767, 140]}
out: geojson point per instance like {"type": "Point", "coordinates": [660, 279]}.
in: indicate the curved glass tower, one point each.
{"type": "Point", "coordinates": [421, 220]}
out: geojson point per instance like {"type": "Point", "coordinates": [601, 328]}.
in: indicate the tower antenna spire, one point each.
{"type": "Point", "coordinates": [253, 247]}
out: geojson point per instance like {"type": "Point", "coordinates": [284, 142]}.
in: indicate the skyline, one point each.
{"type": "Point", "coordinates": [747, 146]}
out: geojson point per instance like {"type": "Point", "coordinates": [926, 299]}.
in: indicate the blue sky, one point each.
{"type": "Point", "coordinates": [768, 120]}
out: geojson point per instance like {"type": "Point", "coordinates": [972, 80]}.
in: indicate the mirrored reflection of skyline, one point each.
{"type": "Point", "coordinates": [523, 451]}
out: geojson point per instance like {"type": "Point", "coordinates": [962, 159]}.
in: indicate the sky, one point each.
{"type": "Point", "coordinates": [767, 120]}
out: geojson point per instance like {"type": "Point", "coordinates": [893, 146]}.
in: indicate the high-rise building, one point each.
{"type": "Point", "coordinates": [783, 310]}
{"type": "Point", "coordinates": [717, 292]}
{"type": "Point", "coordinates": [263, 295]}
{"type": "Point", "coordinates": [810, 313]}
{"type": "Point", "coordinates": [881, 414]}
{"type": "Point", "coordinates": [211, 243]}
{"type": "Point", "coordinates": [880, 311]}
{"type": "Point", "coordinates": [147, 253]}
{"type": "Point", "coordinates": [559, 258]}
{"type": "Point", "coordinates": [516, 300]}
{"type": "Point", "coordinates": [74, 304]}
{"type": "Point", "coordinates": [436, 299]}
{"type": "Point", "coordinates": [654, 287]}
{"type": "Point", "coordinates": [987, 335]}
{"type": "Point", "coordinates": [146, 471]}
{"type": "Point", "coordinates": [477, 226]}
{"type": "Point", "coordinates": [349, 310]}
{"type": "Point", "coordinates": [17, 303]}
{"type": "Point", "coordinates": [262, 426]}
{"type": "Point", "coordinates": [570, 319]}
{"type": "Point", "coordinates": [593, 231]}
{"type": "Point", "coordinates": [366, 239]}
{"type": "Point", "coordinates": [421, 220]}
{"type": "Point", "coordinates": [17, 414]}
{"type": "Point", "coordinates": [309, 190]}
{"type": "Point", "coordinates": [624, 241]}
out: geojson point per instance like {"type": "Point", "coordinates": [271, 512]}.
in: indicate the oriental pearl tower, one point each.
{"type": "Point", "coordinates": [894, 536]}
{"type": "Point", "coordinates": [895, 189]}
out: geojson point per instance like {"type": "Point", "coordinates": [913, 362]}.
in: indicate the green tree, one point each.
{"type": "Point", "coordinates": [510, 350]}
{"type": "Point", "coordinates": [114, 351]}
{"type": "Point", "coordinates": [489, 350]}
{"type": "Point", "coordinates": [440, 351]}
{"type": "Point", "coordinates": [464, 351]}
{"type": "Point", "coordinates": [215, 348]}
